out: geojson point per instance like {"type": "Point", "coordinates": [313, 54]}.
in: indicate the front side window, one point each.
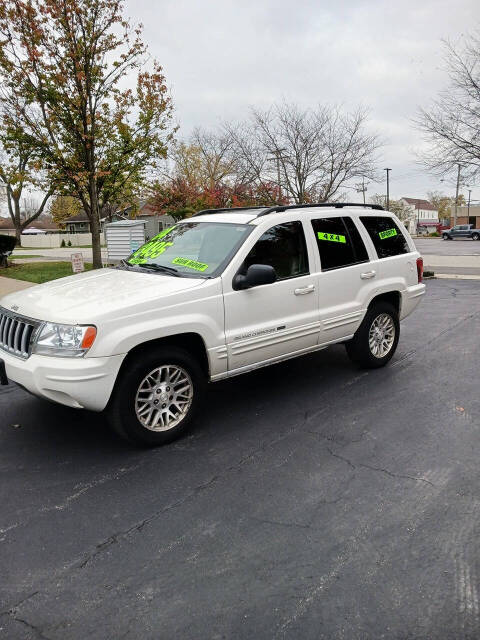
{"type": "Point", "coordinates": [194, 249]}
{"type": "Point", "coordinates": [386, 236]}
{"type": "Point", "coordinates": [283, 247]}
{"type": "Point", "coordinates": [339, 243]}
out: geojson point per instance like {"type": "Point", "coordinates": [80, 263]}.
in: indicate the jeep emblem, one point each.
{"type": "Point", "coordinates": [15, 307]}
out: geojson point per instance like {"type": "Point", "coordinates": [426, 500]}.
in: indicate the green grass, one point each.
{"type": "Point", "coordinates": [39, 272]}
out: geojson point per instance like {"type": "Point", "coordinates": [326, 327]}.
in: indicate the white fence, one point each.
{"type": "Point", "coordinates": [54, 240]}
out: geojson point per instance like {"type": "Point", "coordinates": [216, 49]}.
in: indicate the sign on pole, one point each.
{"type": "Point", "coordinates": [77, 262]}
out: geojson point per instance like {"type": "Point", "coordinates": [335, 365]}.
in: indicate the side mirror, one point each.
{"type": "Point", "coordinates": [256, 275]}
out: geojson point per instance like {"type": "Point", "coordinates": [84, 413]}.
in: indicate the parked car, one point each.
{"type": "Point", "coordinates": [216, 295]}
{"type": "Point", "coordinates": [461, 231]}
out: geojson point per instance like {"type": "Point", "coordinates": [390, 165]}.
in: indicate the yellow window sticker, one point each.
{"type": "Point", "coordinates": [191, 264]}
{"type": "Point", "coordinates": [389, 233]}
{"type": "Point", "coordinates": [331, 237]}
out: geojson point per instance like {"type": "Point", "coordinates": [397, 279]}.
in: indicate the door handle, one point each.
{"type": "Point", "coordinates": [304, 290]}
{"type": "Point", "coordinates": [367, 275]}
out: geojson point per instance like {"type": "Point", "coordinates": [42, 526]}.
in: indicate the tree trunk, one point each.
{"type": "Point", "coordinates": [95, 226]}
{"type": "Point", "coordinates": [18, 236]}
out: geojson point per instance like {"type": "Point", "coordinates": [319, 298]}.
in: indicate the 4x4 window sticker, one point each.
{"type": "Point", "coordinates": [331, 237]}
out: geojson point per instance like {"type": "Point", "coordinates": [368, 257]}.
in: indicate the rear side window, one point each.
{"type": "Point", "coordinates": [339, 242]}
{"type": "Point", "coordinates": [386, 236]}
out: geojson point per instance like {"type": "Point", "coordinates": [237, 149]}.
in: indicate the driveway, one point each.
{"type": "Point", "coordinates": [313, 500]}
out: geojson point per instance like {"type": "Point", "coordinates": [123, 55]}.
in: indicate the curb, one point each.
{"type": "Point", "coordinates": [455, 276]}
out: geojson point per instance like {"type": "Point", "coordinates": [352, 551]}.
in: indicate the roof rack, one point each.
{"type": "Point", "coordinates": [234, 209]}
{"type": "Point", "coordinates": [336, 205]}
{"type": "Point", "coordinates": [284, 207]}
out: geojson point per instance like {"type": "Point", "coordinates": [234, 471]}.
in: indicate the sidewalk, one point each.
{"type": "Point", "coordinates": [10, 285]}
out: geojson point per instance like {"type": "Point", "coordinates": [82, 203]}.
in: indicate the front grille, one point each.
{"type": "Point", "coordinates": [16, 333]}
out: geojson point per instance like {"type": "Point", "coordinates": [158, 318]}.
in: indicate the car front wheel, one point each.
{"type": "Point", "coordinates": [445, 236]}
{"type": "Point", "coordinates": [156, 396]}
{"type": "Point", "coordinates": [475, 236]}
{"type": "Point", "coordinates": [376, 340]}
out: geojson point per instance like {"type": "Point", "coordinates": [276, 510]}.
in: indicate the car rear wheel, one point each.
{"type": "Point", "coordinates": [376, 340]}
{"type": "Point", "coordinates": [156, 396]}
{"type": "Point", "coordinates": [475, 236]}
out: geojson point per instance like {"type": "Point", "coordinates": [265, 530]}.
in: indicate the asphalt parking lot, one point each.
{"type": "Point", "coordinates": [440, 247]}
{"type": "Point", "coordinates": [313, 500]}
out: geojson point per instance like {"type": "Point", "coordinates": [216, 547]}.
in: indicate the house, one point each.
{"type": "Point", "coordinates": [467, 215]}
{"type": "Point", "coordinates": [423, 214]}
{"type": "Point", "coordinates": [79, 223]}
{"type": "Point", "coordinates": [154, 221]}
{"type": "Point", "coordinates": [38, 226]}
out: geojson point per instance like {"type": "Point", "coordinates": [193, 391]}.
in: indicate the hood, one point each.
{"type": "Point", "coordinates": [87, 296]}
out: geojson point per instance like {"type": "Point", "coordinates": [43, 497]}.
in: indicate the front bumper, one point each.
{"type": "Point", "coordinates": [81, 383]}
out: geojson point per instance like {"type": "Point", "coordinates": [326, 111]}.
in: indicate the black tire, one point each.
{"type": "Point", "coordinates": [445, 236]}
{"type": "Point", "coordinates": [475, 236]}
{"type": "Point", "coordinates": [121, 410]}
{"type": "Point", "coordinates": [358, 348]}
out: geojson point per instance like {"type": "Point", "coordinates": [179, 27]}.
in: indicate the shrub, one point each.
{"type": "Point", "coordinates": [434, 234]}
{"type": "Point", "coordinates": [69, 244]}
{"type": "Point", "coordinates": [62, 244]}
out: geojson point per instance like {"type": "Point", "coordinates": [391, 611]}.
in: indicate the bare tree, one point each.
{"type": "Point", "coordinates": [309, 153]}
{"type": "Point", "coordinates": [451, 126]}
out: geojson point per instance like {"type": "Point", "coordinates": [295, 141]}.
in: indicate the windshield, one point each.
{"type": "Point", "coordinates": [192, 248]}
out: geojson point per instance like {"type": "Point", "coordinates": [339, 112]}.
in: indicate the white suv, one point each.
{"type": "Point", "coordinates": [216, 295]}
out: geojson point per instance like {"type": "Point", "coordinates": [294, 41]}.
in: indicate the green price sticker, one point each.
{"type": "Point", "coordinates": [152, 249]}
{"type": "Point", "coordinates": [389, 233]}
{"type": "Point", "coordinates": [331, 237]}
{"type": "Point", "coordinates": [191, 264]}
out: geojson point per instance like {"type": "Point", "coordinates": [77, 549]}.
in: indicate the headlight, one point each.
{"type": "Point", "coordinates": [64, 340]}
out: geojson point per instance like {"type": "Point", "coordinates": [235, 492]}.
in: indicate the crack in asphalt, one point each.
{"type": "Point", "coordinates": [114, 538]}
{"type": "Point", "coordinates": [433, 340]}
{"type": "Point", "coordinates": [12, 613]}
{"type": "Point", "coordinates": [381, 469]}
{"type": "Point", "coordinates": [309, 524]}
{"type": "Point", "coordinates": [40, 634]}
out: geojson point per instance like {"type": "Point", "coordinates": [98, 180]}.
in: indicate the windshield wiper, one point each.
{"type": "Point", "coordinates": [160, 267]}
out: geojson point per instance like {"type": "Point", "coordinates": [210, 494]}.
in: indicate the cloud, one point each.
{"type": "Point", "coordinates": [220, 56]}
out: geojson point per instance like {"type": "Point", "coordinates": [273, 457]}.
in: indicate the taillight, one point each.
{"type": "Point", "coordinates": [420, 269]}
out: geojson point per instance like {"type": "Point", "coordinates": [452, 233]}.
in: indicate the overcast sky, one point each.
{"type": "Point", "coordinates": [221, 56]}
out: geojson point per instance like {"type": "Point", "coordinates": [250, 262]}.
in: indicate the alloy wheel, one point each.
{"type": "Point", "coordinates": [381, 335]}
{"type": "Point", "coordinates": [164, 398]}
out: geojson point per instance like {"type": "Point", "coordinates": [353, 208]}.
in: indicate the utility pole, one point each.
{"type": "Point", "coordinates": [468, 206]}
{"type": "Point", "coordinates": [456, 197]}
{"type": "Point", "coordinates": [388, 187]}
{"type": "Point", "coordinates": [276, 155]}
{"type": "Point", "coordinates": [361, 188]}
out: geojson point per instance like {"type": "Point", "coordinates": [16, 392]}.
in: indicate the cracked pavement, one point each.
{"type": "Point", "coordinates": [313, 500]}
